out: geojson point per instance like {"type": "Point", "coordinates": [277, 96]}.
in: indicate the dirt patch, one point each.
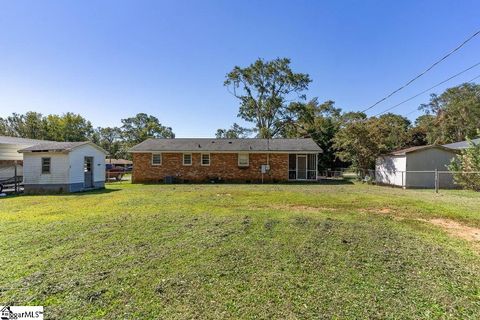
{"type": "Point", "coordinates": [456, 229]}
{"type": "Point", "coordinates": [450, 226]}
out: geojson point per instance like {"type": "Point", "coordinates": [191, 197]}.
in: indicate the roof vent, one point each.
{"type": "Point", "coordinates": [213, 141]}
{"type": "Point", "coordinates": [230, 142]}
{"type": "Point", "coordinates": [199, 145]}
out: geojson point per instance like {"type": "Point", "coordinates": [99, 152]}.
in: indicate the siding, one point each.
{"type": "Point", "coordinates": [32, 168]}
{"type": "Point", "coordinates": [77, 157]}
{"type": "Point", "coordinates": [429, 160]}
{"type": "Point", "coordinates": [389, 170]}
{"type": "Point", "coordinates": [10, 151]}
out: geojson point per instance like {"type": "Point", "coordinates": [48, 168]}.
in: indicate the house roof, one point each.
{"type": "Point", "coordinates": [461, 144]}
{"type": "Point", "coordinates": [226, 145]}
{"type": "Point", "coordinates": [58, 147]}
{"type": "Point", "coordinates": [20, 141]}
{"type": "Point", "coordinates": [403, 152]}
{"type": "Point", "coordinates": [119, 161]}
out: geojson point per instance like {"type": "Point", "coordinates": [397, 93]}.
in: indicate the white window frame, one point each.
{"type": "Point", "coordinates": [183, 159]}
{"type": "Point", "coordinates": [201, 159]}
{"type": "Point", "coordinates": [248, 160]}
{"type": "Point", "coordinates": [49, 165]}
{"type": "Point", "coordinates": [157, 154]}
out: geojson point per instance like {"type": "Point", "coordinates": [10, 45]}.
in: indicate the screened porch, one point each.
{"type": "Point", "coordinates": [302, 166]}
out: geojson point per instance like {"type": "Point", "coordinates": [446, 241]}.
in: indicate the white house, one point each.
{"type": "Point", "coordinates": [63, 167]}
{"type": "Point", "coordinates": [9, 156]}
{"type": "Point", "coordinates": [415, 167]}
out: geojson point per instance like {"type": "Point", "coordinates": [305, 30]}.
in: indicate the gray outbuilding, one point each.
{"type": "Point", "coordinates": [415, 167]}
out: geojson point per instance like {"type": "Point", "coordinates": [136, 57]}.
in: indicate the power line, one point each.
{"type": "Point", "coordinates": [416, 109]}
{"type": "Point", "coordinates": [426, 90]}
{"type": "Point", "coordinates": [424, 72]}
{"type": "Point", "coordinates": [409, 113]}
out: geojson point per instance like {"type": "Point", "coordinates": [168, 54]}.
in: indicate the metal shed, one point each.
{"type": "Point", "coordinates": [415, 167]}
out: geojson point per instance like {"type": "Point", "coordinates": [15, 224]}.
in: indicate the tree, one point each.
{"type": "Point", "coordinates": [141, 127]}
{"type": "Point", "coordinates": [266, 90]}
{"type": "Point", "coordinates": [424, 131]}
{"type": "Point", "coordinates": [67, 127]}
{"type": "Point", "coordinates": [360, 140]}
{"type": "Point", "coordinates": [320, 122]}
{"type": "Point", "coordinates": [235, 132]}
{"type": "Point", "coordinates": [109, 138]}
{"type": "Point", "coordinates": [29, 125]}
{"type": "Point", "coordinates": [465, 164]}
{"type": "Point", "coordinates": [353, 142]}
{"type": "Point", "coordinates": [454, 115]}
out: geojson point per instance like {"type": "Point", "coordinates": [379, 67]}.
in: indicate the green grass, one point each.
{"type": "Point", "coordinates": [240, 251]}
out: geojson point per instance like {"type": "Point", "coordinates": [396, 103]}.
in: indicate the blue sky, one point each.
{"type": "Point", "coordinates": [108, 60]}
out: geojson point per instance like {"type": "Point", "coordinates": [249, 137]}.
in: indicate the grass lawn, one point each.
{"type": "Point", "coordinates": [242, 251]}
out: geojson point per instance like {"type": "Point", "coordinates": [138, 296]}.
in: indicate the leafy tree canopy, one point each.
{"type": "Point", "coordinates": [267, 90]}
{"type": "Point", "coordinates": [453, 115]}
{"type": "Point", "coordinates": [235, 132]}
{"type": "Point", "coordinates": [143, 126]}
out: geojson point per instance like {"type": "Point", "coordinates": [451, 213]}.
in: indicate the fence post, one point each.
{"type": "Point", "coordinates": [15, 177]}
{"type": "Point", "coordinates": [436, 181]}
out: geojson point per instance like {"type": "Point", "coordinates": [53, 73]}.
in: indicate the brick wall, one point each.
{"type": "Point", "coordinates": [222, 165]}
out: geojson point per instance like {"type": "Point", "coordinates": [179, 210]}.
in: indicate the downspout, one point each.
{"type": "Point", "coordinates": [268, 151]}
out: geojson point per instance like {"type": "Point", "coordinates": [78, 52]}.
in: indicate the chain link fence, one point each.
{"type": "Point", "coordinates": [431, 179]}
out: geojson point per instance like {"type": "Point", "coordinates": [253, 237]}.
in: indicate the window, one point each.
{"type": "Point", "coordinates": [156, 159]}
{"type": "Point", "coordinates": [46, 165]}
{"type": "Point", "coordinates": [187, 159]}
{"type": "Point", "coordinates": [243, 160]}
{"type": "Point", "coordinates": [205, 159]}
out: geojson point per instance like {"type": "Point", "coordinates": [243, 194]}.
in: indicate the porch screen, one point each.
{"type": "Point", "coordinates": [292, 166]}
{"type": "Point", "coordinates": [310, 166]}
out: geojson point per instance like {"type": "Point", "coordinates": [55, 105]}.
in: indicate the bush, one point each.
{"type": "Point", "coordinates": [467, 167]}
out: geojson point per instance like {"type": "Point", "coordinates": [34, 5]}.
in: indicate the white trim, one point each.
{"type": "Point", "coordinates": [155, 154]}
{"type": "Point", "coordinates": [201, 159]}
{"type": "Point", "coordinates": [248, 159]}
{"type": "Point", "coordinates": [183, 159]}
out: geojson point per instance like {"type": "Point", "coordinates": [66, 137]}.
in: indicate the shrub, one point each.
{"type": "Point", "coordinates": [467, 167]}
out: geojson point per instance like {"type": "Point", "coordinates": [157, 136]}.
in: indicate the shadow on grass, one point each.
{"type": "Point", "coordinates": [81, 193]}
{"type": "Point", "coordinates": [320, 182]}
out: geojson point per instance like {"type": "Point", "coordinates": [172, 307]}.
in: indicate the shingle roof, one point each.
{"type": "Point", "coordinates": [227, 145]}
{"type": "Point", "coordinates": [57, 146]}
{"type": "Point", "coordinates": [418, 148]}
{"type": "Point", "coordinates": [461, 144]}
{"type": "Point", "coordinates": [20, 141]}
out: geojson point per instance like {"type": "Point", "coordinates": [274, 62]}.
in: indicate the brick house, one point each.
{"type": "Point", "coordinates": [231, 160]}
